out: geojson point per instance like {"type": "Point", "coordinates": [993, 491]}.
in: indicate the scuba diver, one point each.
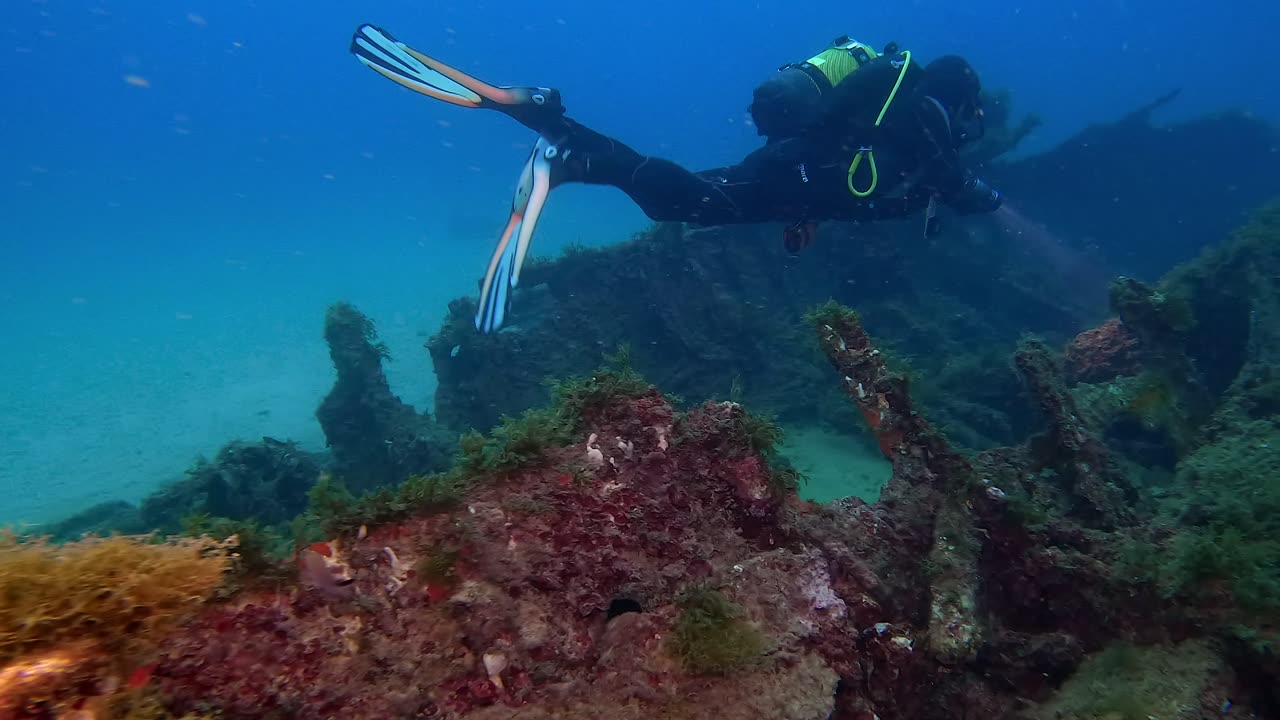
{"type": "Point", "coordinates": [851, 135]}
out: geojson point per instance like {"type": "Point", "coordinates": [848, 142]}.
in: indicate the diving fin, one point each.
{"type": "Point", "coordinates": [537, 108]}
{"type": "Point", "coordinates": [503, 272]}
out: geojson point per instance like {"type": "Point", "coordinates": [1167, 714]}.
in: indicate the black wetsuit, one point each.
{"type": "Point", "coordinates": [802, 178]}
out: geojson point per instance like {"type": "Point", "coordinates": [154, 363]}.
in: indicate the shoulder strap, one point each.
{"type": "Point", "coordinates": [946, 117]}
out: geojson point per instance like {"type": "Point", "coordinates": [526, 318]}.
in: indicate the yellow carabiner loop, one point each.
{"type": "Point", "coordinates": [871, 156]}
{"type": "Point", "coordinates": [853, 169]}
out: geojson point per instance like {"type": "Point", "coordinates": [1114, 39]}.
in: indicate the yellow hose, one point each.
{"type": "Point", "coordinates": [871, 158]}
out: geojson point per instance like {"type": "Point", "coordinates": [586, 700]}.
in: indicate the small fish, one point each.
{"type": "Point", "coordinates": [319, 568]}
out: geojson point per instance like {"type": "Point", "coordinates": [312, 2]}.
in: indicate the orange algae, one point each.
{"type": "Point", "coordinates": [89, 612]}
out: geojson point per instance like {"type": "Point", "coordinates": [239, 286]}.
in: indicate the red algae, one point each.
{"type": "Point", "coordinates": [516, 606]}
{"type": "Point", "coordinates": [555, 589]}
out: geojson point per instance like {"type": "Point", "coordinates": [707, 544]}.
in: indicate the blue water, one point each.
{"type": "Point", "coordinates": [185, 186]}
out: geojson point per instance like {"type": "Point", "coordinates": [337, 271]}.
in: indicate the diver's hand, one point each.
{"type": "Point", "coordinates": [975, 196]}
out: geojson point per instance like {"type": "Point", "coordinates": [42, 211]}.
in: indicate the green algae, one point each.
{"type": "Point", "coordinates": [260, 551]}
{"type": "Point", "coordinates": [336, 511]}
{"type": "Point", "coordinates": [517, 442]}
{"type": "Point", "coordinates": [576, 397]}
{"type": "Point", "coordinates": [1125, 682]}
{"type": "Point", "coordinates": [1228, 493]}
{"type": "Point", "coordinates": [437, 566]}
{"type": "Point", "coordinates": [712, 635]}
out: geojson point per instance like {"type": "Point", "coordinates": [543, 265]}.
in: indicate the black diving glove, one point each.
{"type": "Point", "coordinates": [975, 196]}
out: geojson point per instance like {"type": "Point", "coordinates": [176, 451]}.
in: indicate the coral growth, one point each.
{"type": "Point", "coordinates": [1102, 353]}
{"type": "Point", "coordinates": [613, 556]}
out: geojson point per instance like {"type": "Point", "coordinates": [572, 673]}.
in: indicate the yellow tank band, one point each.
{"type": "Point", "coordinates": [835, 64]}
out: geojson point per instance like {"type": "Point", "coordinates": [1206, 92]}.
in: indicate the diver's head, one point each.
{"type": "Point", "coordinates": [785, 104]}
{"type": "Point", "coordinates": [954, 84]}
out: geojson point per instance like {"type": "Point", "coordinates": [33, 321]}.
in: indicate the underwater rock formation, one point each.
{"type": "Point", "coordinates": [1204, 353]}
{"type": "Point", "coordinates": [1000, 137]}
{"type": "Point", "coordinates": [1225, 495]}
{"type": "Point", "coordinates": [708, 311]}
{"type": "Point", "coordinates": [375, 438]}
{"type": "Point", "coordinates": [928, 478]}
{"type": "Point", "coordinates": [103, 518]}
{"type": "Point", "coordinates": [1232, 293]}
{"type": "Point", "coordinates": [1102, 353]}
{"type": "Point", "coordinates": [265, 481]}
{"type": "Point", "coordinates": [1175, 680]}
{"type": "Point", "coordinates": [1207, 389]}
{"type": "Point", "coordinates": [1069, 450]}
{"type": "Point", "coordinates": [1056, 565]}
{"type": "Point", "coordinates": [639, 571]}
{"type": "Point", "coordinates": [614, 557]}
{"type": "Point", "coordinates": [1138, 196]}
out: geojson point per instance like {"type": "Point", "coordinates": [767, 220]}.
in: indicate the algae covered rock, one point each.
{"type": "Point", "coordinates": [101, 519]}
{"type": "Point", "coordinates": [376, 439]}
{"type": "Point", "coordinates": [1227, 500]}
{"type": "Point", "coordinates": [1210, 337]}
{"type": "Point", "coordinates": [613, 556]}
{"type": "Point", "coordinates": [267, 482]}
{"type": "Point", "coordinates": [597, 571]}
{"type": "Point", "coordinates": [1183, 681]}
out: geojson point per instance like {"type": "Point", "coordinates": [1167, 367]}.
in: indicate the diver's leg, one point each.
{"type": "Point", "coordinates": [571, 151]}
{"type": "Point", "coordinates": [664, 190]}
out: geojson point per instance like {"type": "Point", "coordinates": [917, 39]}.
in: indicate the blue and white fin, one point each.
{"type": "Point", "coordinates": [378, 50]}
{"type": "Point", "coordinates": [503, 272]}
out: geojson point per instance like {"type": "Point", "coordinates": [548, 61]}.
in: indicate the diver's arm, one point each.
{"type": "Point", "coordinates": [975, 196]}
{"type": "Point", "coordinates": [945, 174]}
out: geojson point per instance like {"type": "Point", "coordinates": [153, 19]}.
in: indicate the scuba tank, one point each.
{"type": "Point", "coordinates": [787, 103]}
